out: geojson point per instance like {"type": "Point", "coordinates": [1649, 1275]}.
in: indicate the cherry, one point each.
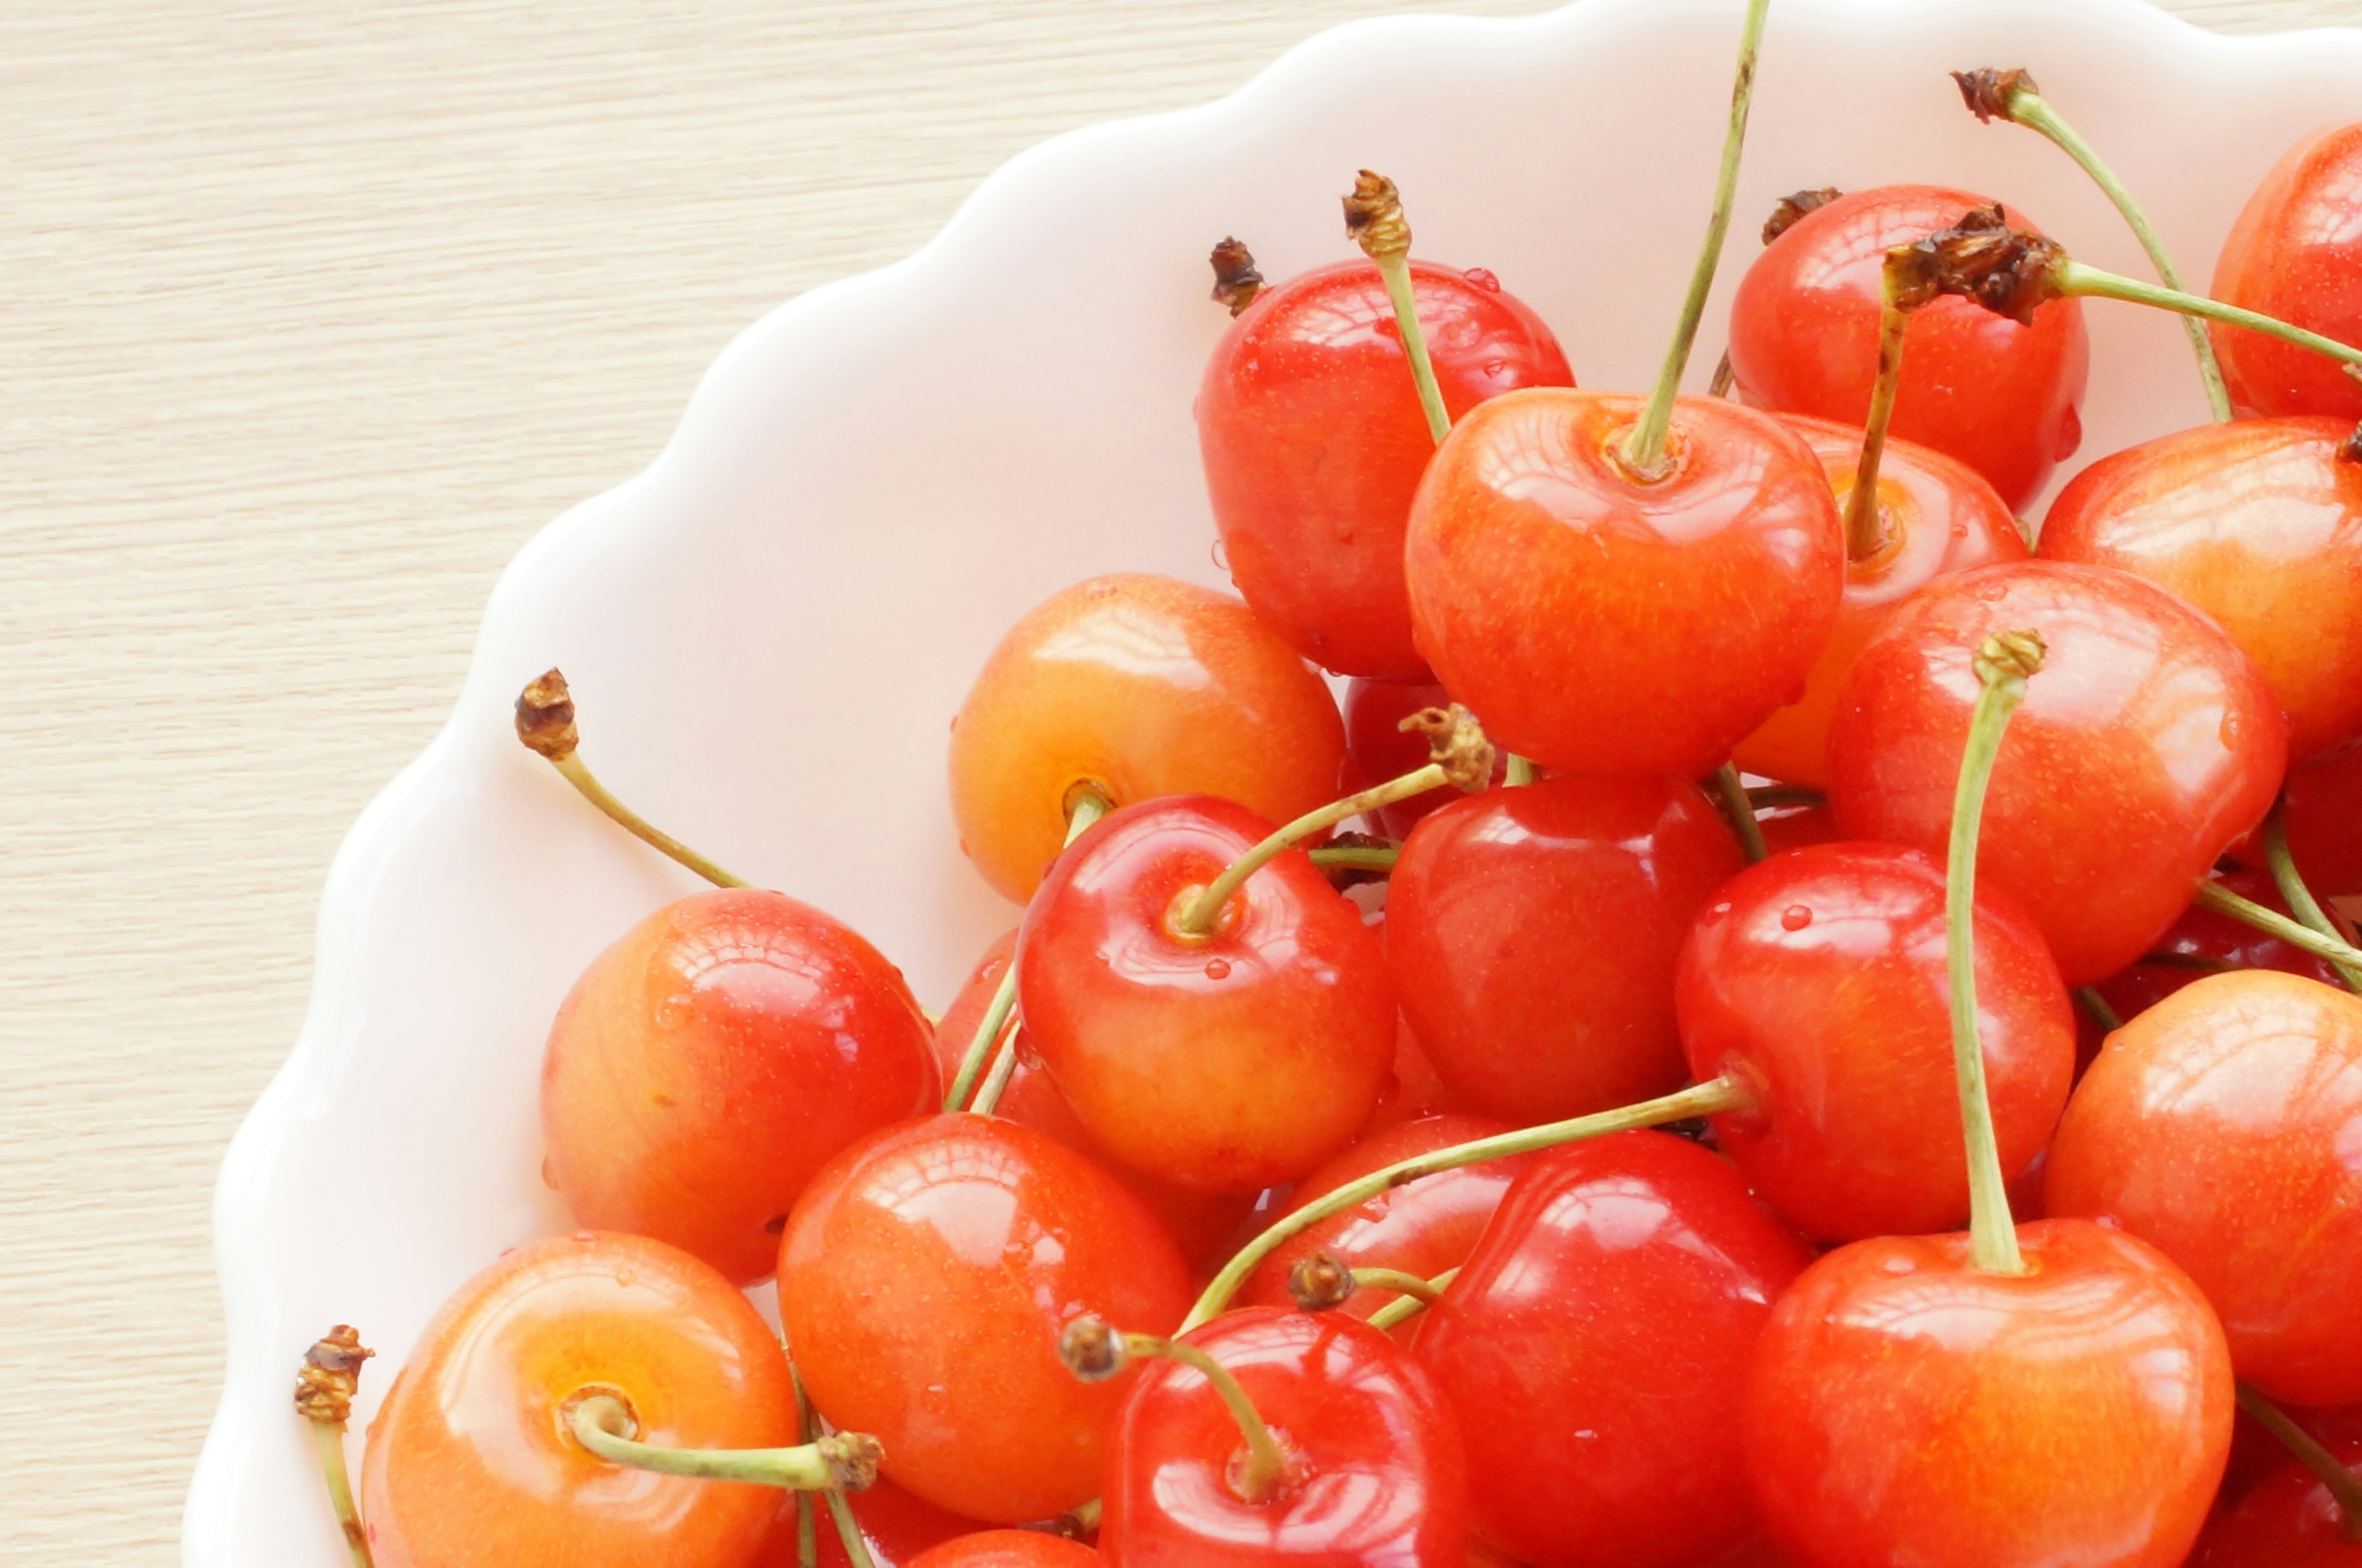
{"type": "Point", "coordinates": [895, 1527]}
{"type": "Point", "coordinates": [1314, 442]}
{"type": "Point", "coordinates": [1531, 934]}
{"type": "Point", "coordinates": [2256, 523]}
{"type": "Point", "coordinates": [1999, 397]}
{"type": "Point", "coordinates": [1908, 1406]}
{"type": "Point", "coordinates": [1137, 686]}
{"type": "Point", "coordinates": [1225, 1059]}
{"type": "Point", "coordinates": [1381, 748]}
{"type": "Point", "coordinates": [1595, 1347]}
{"type": "Point", "coordinates": [2287, 1520]}
{"type": "Point", "coordinates": [2293, 254]}
{"type": "Point", "coordinates": [2321, 808]}
{"type": "Point", "coordinates": [923, 1281]}
{"type": "Point", "coordinates": [1422, 1228]}
{"type": "Point", "coordinates": [1008, 1548]}
{"type": "Point", "coordinates": [1794, 825]}
{"type": "Point", "coordinates": [1369, 1465]}
{"type": "Point", "coordinates": [1936, 515]}
{"type": "Point", "coordinates": [711, 1061]}
{"type": "Point", "coordinates": [1413, 1092]}
{"type": "Point", "coordinates": [1818, 981]}
{"type": "Point", "coordinates": [470, 1460]}
{"type": "Point", "coordinates": [2149, 745]}
{"type": "Point", "coordinates": [2224, 1125]}
{"type": "Point", "coordinates": [2205, 942]}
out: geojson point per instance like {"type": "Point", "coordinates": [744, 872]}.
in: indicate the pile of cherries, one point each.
{"type": "Point", "coordinates": [1833, 1043]}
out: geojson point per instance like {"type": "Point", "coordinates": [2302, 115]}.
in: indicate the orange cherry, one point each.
{"type": "Point", "coordinates": [1008, 1548]}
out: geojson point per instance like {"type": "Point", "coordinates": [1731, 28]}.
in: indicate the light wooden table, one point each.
{"type": "Point", "coordinates": [313, 315]}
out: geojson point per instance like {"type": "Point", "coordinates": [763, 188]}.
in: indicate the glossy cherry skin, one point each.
{"type": "Point", "coordinates": [469, 1460]}
{"type": "Point", "coordinates": [2258, 523]}
{"type": "Point", "coordinates": [1595, 1347]}
{"type": "Point", "coordinates": [2321, 807]}
{"type": "Point", "coordinates": [924, 1280]}
{"type": "Point", "coordinates": [1376, 1477]}
{"type": "Point", "coordinates": [1378, 749]}
{"type": "Point", "coordinates": [1421, 1227]}
{"type": "Point", "coordinates": [704, 1066]}
{"type": "Point", "coordinates": [2225, 1126]}
{"type": "Point", "coordinates": [1939, 516]}
{"type": "Point", "coordinates": [2204, 941]}
{"type": "Point", "coordinates": [1413, 1092]}
{"type": "Point", "coordinates": [1602, 624]}
{"type": "Point", "coordinates": [1818, 980]}
{"type": "Point", "coordinates": [1793, 827]}
{"type": "Point", "coordinates": [2286, 1520]}
{"type": "Point", "coordinates": [2295, 253]}
{"type": "Point", "coordinates": [1314, 443]}
{"type": "Point", "coordinates": [1142, 686]}
{"type": "Point", "coordinates": [1202, 1223]}
{"type": "Point", "coordinates": [1226, 1063]}
{"type": "Point", "coordinates": [1008, 1548]}
{"type": "Point", "coordinates": [2147, 743]}
{"type": "Point", "coordinates": [895, 1526]}
{"type": "Point", "coordinates": [1803, 339]}
{"type": "Point", "coordinates": [1531, 933]}
{"type": "Point", "coordinates": [1906, 1408]}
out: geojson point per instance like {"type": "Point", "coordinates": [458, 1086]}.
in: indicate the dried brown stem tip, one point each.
{"type": "Point", "coordinates": [2350, 450]}
{"type": "Point", "coordinates": [545, 716]}
{"type": "Point", "coordinates": [1319, 1283]}
{"type": "Point", "coordinates": [852, 1458]}
{"type": "Point", "coordinates": [1092, 1351]}
{"type": "Point", "coordinates": [1987, 91]}
{"type": "Point", "coordinates": [1236, 282]}
{"type": "Point", "coordinates": [2009, 271]}
{"type": "Point", "coordinates": [2009, 655]}
{"type": "Point", "coordinates": [331, 1374]}
{"type": "Point", "coordinates": [1796, 206]}
{"type": "Point", "coordinates": [1344, 876]}
{"type": "Point", "coordinates": [1456, 743]}
{"type": "Point", "coordinates": [1373, 217]}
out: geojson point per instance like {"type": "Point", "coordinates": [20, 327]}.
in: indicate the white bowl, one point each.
{"type": "Point", "coordinates": [768, 629]}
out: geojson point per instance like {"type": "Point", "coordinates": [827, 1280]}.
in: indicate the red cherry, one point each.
{"type": "Point", "coordinates": [2286, 1520]}
{"type": "Point", "coordinates": [2258, 1454]}
{"type": "Point", "coordinates": [1908, 1407]}
{"type": "Point", "coordinates": [1600, 622]}
{"type": "Point", "coordinates": [1374, 1475]}
{"type": "Point", "coordinates": [2204, 941]}
{"type": "Point", "coordinates": [895, 1526]}
{"type": "Point", "coordinates": [708, 1064]}
{"type": "Point", "coordinates": [1531, 933]}
{"type": "Point", "coordinates": [2294, 253]}
{"type": "Point", "coordinates": [1795, 826]}
{"type": "Point", "coordinates": [1140, 685]}
{"type": "Point", "coordinates": [1595, 1347]}
{"type": "Point", "coordinates": [1414, 1091]}
{"type": "Point", "coordinates": [1314, 442]}
{"type": "Point", "coordinates": [2321, 807]}
{"type": "Point", "coordinates": [1423, 1227]}
{"type": "Point", "coordinates": [924, 1280]}
{"type": "Point", "coordinates": [2258, 523]}
{"type": "Point", "coordinates": [470, 1462]}
{"type": "Point", "coordinates": [2147, 745]}
{"type": "Point", "coordinates": [1227, 1062]}
{"type": "Point", "coordinates": [1817, 981]}
{"type": "Point", "coordinates": [2225, 1126]}
{"type": "Point", "coordinates": [1383, 749]}
{"type": "Point", "coordinates": [1008, 1548]}
{"type": "Point", "coordinates": [1939, 516]}
{"type": "Point", "coordinates": [1803, 339]}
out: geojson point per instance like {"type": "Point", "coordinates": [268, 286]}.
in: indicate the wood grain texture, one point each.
{"type": "Point", "coordinates": [314, 312]}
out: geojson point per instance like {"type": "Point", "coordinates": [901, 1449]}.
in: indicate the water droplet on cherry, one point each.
{"type": "Point", "coordinates": [1218, 968]}
{"type": "Point", "coordinates": [1222, 558]}
{"type": "Point", "coordinates": [1795, 916]}
{"type": "Point", "coordinates": [1482, 278]}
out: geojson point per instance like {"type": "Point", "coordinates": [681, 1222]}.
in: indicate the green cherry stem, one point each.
{"type": "Point", "coordinates": [544, 723]}
{"type": "Point", "coordinates": [1094, 1352]}
{"type": "Point", "coordinates": [2097, 1006]}
{"type": "Point", "coordinates": [2002, 666]}
{"type": "Point", "coordinates": [1739, 807]}
{"type": "Point", "coordinates": [848, 1530]}
{"type": "Point", "coordinates": [2012, 96]}
{"type": "Point", "coordinates": [2222, 901]}
{"type": "Point", "coordinates": [325, 1387]}
{"type": "Point", "coordinates": [1865, 526]}
{"type": "Point", "coordinates": [1086, 804]}
{"type": "Point", "coordinates": [1709, 1098]}
{"type": "Point", "coordinates": [1375, 220]}
{"type": "Point", "coordinates": [2298, 896]}
{"type": "Point", "coordinates": [996, 1082]}
{"type": "Point", "coordinates": [1644, 454]}
{"type": "Point", "coordinates": [1770, 795]}
{"type": "Point", "coordinates": [1406, 1307]}
{"type": "Point", "coordinates": [2345, 1486]}
{"type": "Point", "coordinates": [1359, 858]}
{"type": "Point", "coordinates": [2073, 278]}
{"type": "Point", "coordinates": [603, 1422]}
{"type": "Point", "coordinates": [1427, 1292]}
{"type": "Point", "coordinates": [807, 1526]}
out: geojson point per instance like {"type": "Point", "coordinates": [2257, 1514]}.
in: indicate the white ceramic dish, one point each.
{"type": "Point", "coordinates": [769, 628]}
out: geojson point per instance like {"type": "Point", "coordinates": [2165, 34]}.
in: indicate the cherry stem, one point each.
{"type": "Point", "coordinates": [1374, 220]}
{"type": "Point", "coordinates": [2222, 901]}
{"type": "Point", "coordinates": [1518, 770]}
{"type": "Point", "coordinates": [2002, 666]}
{"type": "Point", "coordinates": [2072, 277]}
{"type": "Point", "coordinates": [329, 1442]}
{"type": "Point", "coordinates": [1095, 1352]}
{"type": "Point", "coordinates": [1361, 858]}
{"type": "Point", "coordinates": [807, 1526]}
{"type": "Point", "coordinates": [325, 1387]}
{"type": "Point", "coordinates": [1644, 454]}
{"type": "Point", "coordinates": [1398, 1279]}
{"type": "Point", "coordinates": [2012, 96]}
{"type": "Point", "coordinates": [848, 1531]}
{"type": "Point", "coordinates": [1086, 804]}
{"type": "Point", "coordinates": [996, 1082]}
{"type": "Point", "coordinates": [1403, 1307]}
{"type": "Point", "coordinates": [2345, 1486]}
{"type": "Point", "coordinates": [545, 724]}
{"type": "Point", "coordinates": [1865, 529]}
{"type": "Point", "coordinates": [1739, 807]}
{"type": "Point", "coordinates": [1709, 1098]}
{"type": "Point", "coordinates": [1723, 376]}
{"type": "Point", "coordinates": [2298, 896]}
{"type": "Point", "coordinates": [2097, 1006]}
{"type": "Point", "coordinates": [1770, 795]}
{"type": "Point", "coordinates": [603, 1424]}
